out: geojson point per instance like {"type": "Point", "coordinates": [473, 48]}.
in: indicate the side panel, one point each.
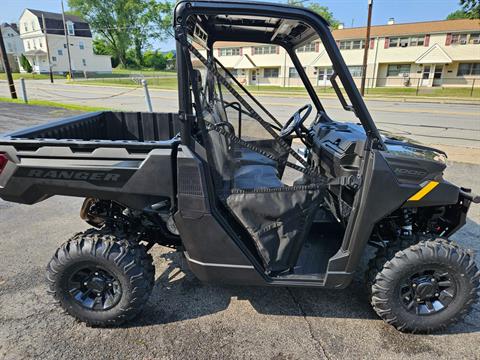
{"type": "Point", "coordinates": [136, 180]}
{"type": "Point", "coordinates": [382, 194]}
{"type": "Point", "coordinates": [211, 253]}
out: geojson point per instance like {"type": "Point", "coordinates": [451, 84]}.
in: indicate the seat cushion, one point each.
{"type": "Point", "coordinates": [250, 157]}
{"type": "Point", "coordinates": [256, 176]}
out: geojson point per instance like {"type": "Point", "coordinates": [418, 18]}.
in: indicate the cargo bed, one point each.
{"type": "Point", "coordinates": [124, 156]}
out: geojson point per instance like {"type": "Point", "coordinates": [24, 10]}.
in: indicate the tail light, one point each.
{"type": "Point", "coordinates": [3, 161]}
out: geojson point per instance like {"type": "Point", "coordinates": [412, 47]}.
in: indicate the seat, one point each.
{"type": "Point", "coordinates": [256, 176]}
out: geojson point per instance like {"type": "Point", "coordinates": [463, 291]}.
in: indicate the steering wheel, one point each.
{"type": "Point", "coordinates": [295, 123]}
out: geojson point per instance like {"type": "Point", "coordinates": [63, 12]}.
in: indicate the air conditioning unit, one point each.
{"type": "Point", "coordinates": [476, 41]}
{"type": "Point", "coordinates": [463, 42]}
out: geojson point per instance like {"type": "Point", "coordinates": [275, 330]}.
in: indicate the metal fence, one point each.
{"type": "Point", "coordinates": [418, 86]}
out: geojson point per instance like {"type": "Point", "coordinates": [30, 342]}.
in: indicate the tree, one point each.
{"type": "Point", "coordinates": [25, 64]}
{"type": "Point", "coordinates": [324, 12]}
{"type": "Point", "coordinates": [125, 23]}
{"type": "Point", "coordinates": [459, 14]}
{"type": "Point", "coordinates": [155, 60]}
{"type": "Point", "coordinates": [471, 8]}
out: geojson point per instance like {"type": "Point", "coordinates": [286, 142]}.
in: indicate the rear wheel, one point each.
{"type": "Point", "coordinates": [101, 279]}
{"type": "Point", "coordinates": [425, 287]}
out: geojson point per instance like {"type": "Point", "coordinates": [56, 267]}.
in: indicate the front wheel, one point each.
{"type": "Point", "coordinates": [101, 279]}
{"type": "Point", "coordinates": [425, 287]}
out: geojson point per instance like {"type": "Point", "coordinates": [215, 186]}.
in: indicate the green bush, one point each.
{"type": "Point", "coordinates": [26, 64]}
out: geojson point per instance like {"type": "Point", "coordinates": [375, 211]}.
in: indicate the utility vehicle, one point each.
{"type": "Point", "coordinates": [224, 182]}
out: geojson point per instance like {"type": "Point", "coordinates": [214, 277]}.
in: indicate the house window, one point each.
{"type": "Point", "coordinates": [60, 52]}
{"type": "Point", "coordinates": [33, 25]}
{"type": "Point", "coordinates": [460, 39]}
{"type": "Point", "coordinates": [417, 41]}
{"type": "Point", "coordinates": [234, 72]}
{"type": "Point", "coordinates": [28, 45]}
{"type": "Point", "coordinates": [54, 58]}
{"type": "Point", "coordinates": [307, 48]}
{"type": "Point", "coordinates": [466, 69]}
{"type": "Point", "coordinates": [70, 28]}
{"type": "Point", "coordinates": [264, 50]}
{"type": "Point", "coordinates": [64, 46]}
{"type": "Point", "coordinates": [399, 42]}
{"type": "Point", "coordinates": [84, 62]}
{"type": "Point", "coordinates": [40, 43]}
{"type": "Point", "coordinates": [9, 47]}
{"type": "Point", "coordinates": [229, 51]}
{"type": "Point", "coordinates": [270, 73]}
{"type": "Point", "coordinates": [352, 44]}
{"type": "Point", "coordinates": [81, 44]}
{"type": "Point", "coordinates": [398, 69]}
{"type": "Point", "coordinates": [474, 38]}
{"type": "Point", "coordinates": [356, 71]}
{"type": "Point", "coordinates": [25, 27]}
{"type": "Point", "coordinates": [292, 72]}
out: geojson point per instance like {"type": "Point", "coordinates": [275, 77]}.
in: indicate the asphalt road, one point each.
{"type": "Point", "coordinates": [186, 319]}
{"type": "Point", "coordinates": [433, 124]}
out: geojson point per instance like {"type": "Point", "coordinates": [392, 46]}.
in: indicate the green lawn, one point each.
{"type": "Point", "coordinates": [144, 72]}
{"type": "Point", "coordinates": [55, 104]}
{"type": "Point", "coordinates": [26, 76]}
{"type": "Point", "coordinates": [168, 83]}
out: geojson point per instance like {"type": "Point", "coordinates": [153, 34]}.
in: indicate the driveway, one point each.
{"type": "Point", "coordinates": [186, 319]}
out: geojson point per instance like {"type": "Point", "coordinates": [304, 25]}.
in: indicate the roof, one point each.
{"type": "Point", "coordinates": [54, 23]}
{"type": "Point", "coordinates": [11, 26]}
{"type": "Point", "coordinates": [427, 27]}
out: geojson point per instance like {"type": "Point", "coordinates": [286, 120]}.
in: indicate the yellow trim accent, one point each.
{"type": "Point", "coordinates": [424, 191]}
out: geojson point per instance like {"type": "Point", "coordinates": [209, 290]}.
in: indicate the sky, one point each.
{"type": "Point", "coordinates": [347, 11]}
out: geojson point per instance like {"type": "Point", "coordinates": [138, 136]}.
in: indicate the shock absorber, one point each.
{"type": "Point", "coordinates": [407, 227]}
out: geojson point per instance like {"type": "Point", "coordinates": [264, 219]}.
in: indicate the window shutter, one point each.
{"type": "Point", "coordinates": [387, 43]}
{"type": "Point", "coordinates": [317, 46]}
{"type": "Point", "coordinates": [372, 43]}
{"type": "Point", "coordinates": [426, 42]}
{"type": "Point", "coordinates": [218, 52]}
{"type": "Point", "coordinates": [338, 43]}
{"type": "Point", "coordinates": [448, 41]}
{"type": "Point", "coordinates": [241, 51]}
{"type": "Point", "coordinates": [253, 50]}
{"type": "Point", "coordinates": [278, 49]}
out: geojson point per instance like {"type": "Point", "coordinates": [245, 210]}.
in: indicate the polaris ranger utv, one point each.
{"type": "Point", "coordinates": [224, 182]}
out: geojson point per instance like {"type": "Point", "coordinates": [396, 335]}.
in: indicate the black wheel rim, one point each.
{"type": "Point", "coordinates": [428, 292]}
{"type": "Point", "coordinates": [94, 288]}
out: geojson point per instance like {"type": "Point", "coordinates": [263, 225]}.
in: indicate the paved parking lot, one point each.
{"type": "Point", "coordinates": [190, 320]}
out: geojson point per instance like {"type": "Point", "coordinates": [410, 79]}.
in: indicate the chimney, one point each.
{"type": "Point", "coordinates": [391, 21]}
{"type": "Point", "coordinates": [340, 26]}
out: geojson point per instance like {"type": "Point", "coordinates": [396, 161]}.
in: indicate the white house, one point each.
{"type": "Point", "coordinates": [80, 40]}
{"type": "Point", "coordinates": [13, 45]}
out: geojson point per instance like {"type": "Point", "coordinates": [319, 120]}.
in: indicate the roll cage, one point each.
{"type": "Point", "coordinates": [285, 26]}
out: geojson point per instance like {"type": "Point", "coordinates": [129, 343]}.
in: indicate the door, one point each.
{"type": "Point", "coordinates": [253, 77]}
{"type": "Point", "coordinates": [426, 75]}
{"type": "Point", "coordinates": [437, 76]}
{"type": "Point", "coordinates": [324, 75]}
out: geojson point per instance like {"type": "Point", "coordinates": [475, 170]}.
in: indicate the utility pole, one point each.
{"type": "Point", "coordinates": [6, 66]}
{"type": "Point", "coordinates": [48, 49]}
{"type": "Point", "coordinates": [68, 43]}
{"type": "Point", "coordinates": [367, 45]}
